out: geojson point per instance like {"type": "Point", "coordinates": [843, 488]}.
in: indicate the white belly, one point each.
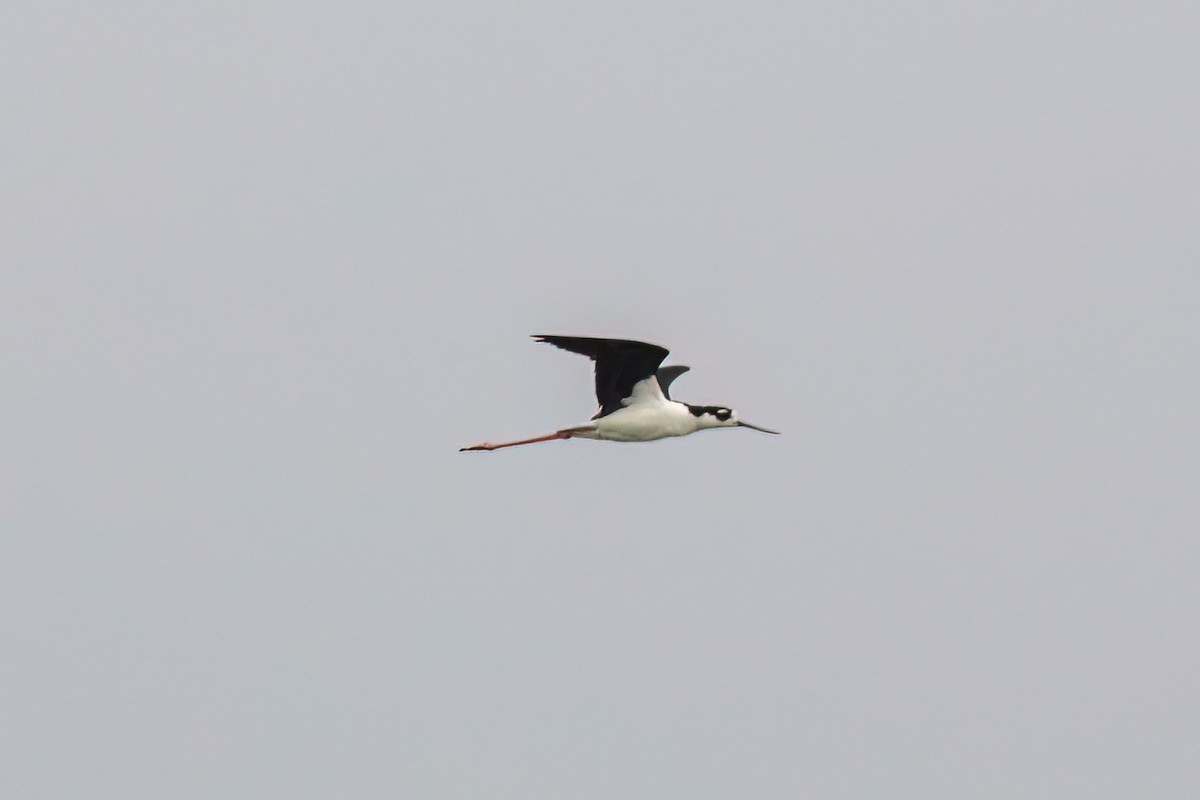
{"type": "Point", "coordinates": [644, 423]}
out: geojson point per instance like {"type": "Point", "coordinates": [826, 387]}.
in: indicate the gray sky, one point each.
{"type": "Point", "coordinates": [266, 266]}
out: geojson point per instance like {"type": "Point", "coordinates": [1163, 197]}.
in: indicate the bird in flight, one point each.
{"type": "Point", "coordinates": [632, 389]}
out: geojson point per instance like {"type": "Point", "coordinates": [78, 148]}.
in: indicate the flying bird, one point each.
{"type": "Point", "coordinates": [632, 389]}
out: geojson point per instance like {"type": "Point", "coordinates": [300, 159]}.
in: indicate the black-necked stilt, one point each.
{"type": "Point", "coordinates": [632, 390]}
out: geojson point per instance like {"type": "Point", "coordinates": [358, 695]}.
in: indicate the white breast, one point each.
{"type": "Point", "coordinates": [645, 422]}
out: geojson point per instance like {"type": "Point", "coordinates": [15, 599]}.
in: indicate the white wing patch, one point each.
{"type": "Point", "coordinates": [646, 392]}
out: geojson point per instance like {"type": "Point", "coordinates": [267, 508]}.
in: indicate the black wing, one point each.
{"type": "Point", "coordinates": [667, 376]}
{"type": "Point", "coordinates": [620, 363]}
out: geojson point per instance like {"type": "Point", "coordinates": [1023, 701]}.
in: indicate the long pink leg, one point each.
{"type": "Point", "coordinates": [558, 434]}
{"type": "Point", "coordinates": [489, 446]}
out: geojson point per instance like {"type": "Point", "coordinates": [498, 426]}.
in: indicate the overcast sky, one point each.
{"type": "Point", "coordinates": [265, 266]}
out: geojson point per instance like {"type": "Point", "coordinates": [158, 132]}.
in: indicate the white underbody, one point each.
{"type": "Point", "coordinates": [642, 422]}
{"type": "Point", "coordinates": [647, 415]}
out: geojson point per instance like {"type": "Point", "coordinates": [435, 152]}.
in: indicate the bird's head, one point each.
{"type": "Point", "coordinates": [721, 417]}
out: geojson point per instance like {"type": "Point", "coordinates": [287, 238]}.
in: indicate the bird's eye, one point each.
{"type": "Point", "coordinates": [722, 414]}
